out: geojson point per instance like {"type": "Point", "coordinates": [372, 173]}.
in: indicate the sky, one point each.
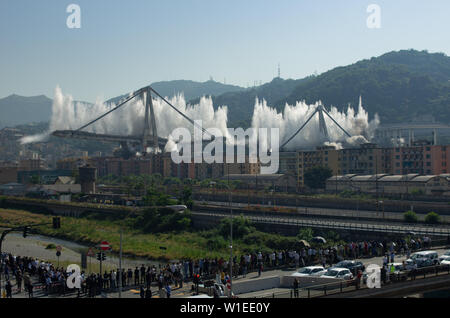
{"type": "Point", "coordinates": [124, 45]}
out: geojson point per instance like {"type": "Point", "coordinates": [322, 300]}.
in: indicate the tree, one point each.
{"type": "Point", "coordinates": [432, 218]}
{"type": "Point", "coordinates": [316, 177]}
{"type": "Point", "coordinates": [241, 227]}
{"type": "Point", "coordinates": [35, 179]}
{"type": "Point", "coordinates": [305, 234]}
{"type": "Point", "coordinates": [410, 217]}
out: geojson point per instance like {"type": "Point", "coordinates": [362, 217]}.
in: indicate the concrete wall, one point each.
{"type": "Point", "coordinates": [256, 285]}
{"type": "Point", "coordinates": [303, 282]}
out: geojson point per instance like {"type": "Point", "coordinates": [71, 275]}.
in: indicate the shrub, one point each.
{"type": "Point", "coordinates": [241, 227]}
{"type": "Point", "coordinates": [50, 246]}
{"type": "Point", "coordinates": [305, 234]}
{"type": "Point", "coordinates": [216, 243]}
{"type": "Point", "coordinates": [417, 192]}
{"type": "Point", "coordinates": [410, 217]}
{"type": "Point", "coordinates": [346, 194]}
{"type": "Point", "coordinates": [432, 218]}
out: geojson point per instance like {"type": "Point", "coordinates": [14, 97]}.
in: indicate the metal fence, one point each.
{"type": "Point", "coordinates": [407, 229]}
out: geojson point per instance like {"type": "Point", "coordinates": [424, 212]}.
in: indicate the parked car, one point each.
{"type": "Point", "coordinates": [353, 266]}
{"type": "Point", "coordinates": [338, 272]}
{"type": "Point", "coordinates": [425, 258]}
{"type": "Point", "coordinates": [444, 256]}
{"type": "Point", "coordinates": [444, 260]}
{"type": "Point", "coordinates": [309, 270]}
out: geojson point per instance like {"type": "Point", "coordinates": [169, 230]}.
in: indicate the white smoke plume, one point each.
{"type": "Point", "coordinates": [293, 117]}
{"type": "Point", "coordinates": [129, 120]}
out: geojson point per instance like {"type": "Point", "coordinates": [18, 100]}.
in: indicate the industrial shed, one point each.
{"type": "Point", "coordinates": [279, 182]}
{"type": "Point", "coordinates": [391, 184]}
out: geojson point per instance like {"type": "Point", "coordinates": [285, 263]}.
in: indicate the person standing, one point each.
{"type": "Point", "coordinates": [136, 276]}
{"type": "Point", "coordinates": [358, 279]}
{"type": "Point", "coordinates": [168, 291]}
{"type": "Point", "coordinates": [296, 288]}
{"type": "Point", "coordinates": [19, 280]}
{"type": "Point", "coordinates": [8, 288]}
{"type": "Point", "coordinates": [148, 293]}
{"type": "Point", "coordinates": [143, 274]}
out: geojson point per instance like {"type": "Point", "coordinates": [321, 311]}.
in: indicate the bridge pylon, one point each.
{"type": "Point", "coordinates": [150, 136]}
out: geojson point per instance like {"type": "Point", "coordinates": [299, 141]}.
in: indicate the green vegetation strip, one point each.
{"type": "Point", "coordinates": [135, 243]}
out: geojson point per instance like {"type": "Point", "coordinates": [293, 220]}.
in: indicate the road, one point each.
{"type": "Point", "coordinates": [354, 225]}
{"type": "Point", "coordinates": [356, 213]}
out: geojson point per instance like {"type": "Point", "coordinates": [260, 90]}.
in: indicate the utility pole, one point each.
{"type": "Point", "coordinates": [120, 265]}
{"type": "Point", "coordinates": [231, 237]}
{"type": "Point", "coordinates": [376, 179]}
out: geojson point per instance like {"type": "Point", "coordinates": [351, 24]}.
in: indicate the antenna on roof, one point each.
{"type": "Point", "coordinates": [279, 71]}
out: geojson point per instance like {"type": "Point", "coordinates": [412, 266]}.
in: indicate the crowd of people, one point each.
{"type": "Point", "coordinates": [32, 274]}
{"type": "Point", "coordinates": [53, 279]}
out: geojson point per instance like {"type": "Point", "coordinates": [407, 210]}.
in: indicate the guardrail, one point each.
{"type": "Point", "coordinates": [351, 226]}
{"type": "Point", "coordinates": [301, 211]}
{"type": "Point", "coordinates": [351, 285]}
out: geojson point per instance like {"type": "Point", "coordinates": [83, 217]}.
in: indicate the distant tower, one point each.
{"type": "Point", "coordinates": [279, 71]}
{"type": "Point", "coordinates": [88, 176]}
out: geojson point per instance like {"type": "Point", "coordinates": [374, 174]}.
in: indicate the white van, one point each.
{"type": "Point", "coordinates": [425, 258]}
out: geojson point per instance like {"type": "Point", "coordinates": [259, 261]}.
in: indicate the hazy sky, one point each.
{"type": "Point", "coordinates": [124, 45]}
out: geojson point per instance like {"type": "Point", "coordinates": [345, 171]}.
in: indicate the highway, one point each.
{"type": "Point", "coordinates": [322, 211]}
{"type": "Point", "coordinates": [354, 225]}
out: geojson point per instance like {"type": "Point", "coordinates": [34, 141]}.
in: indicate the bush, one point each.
{"type": "Point", "coordinates": [316, 177]}
{"type": "Point", "coordinates": [158, 220]}
{"type": "Point", "coordinates": [241, 227]}
{"type": "Point", "coordinates": [346, 194]}
{"type": "Point", "coordinates": [432, 218]}
{"type": "Point", "coordinates": [417, 192]}
{"type": "Point", "coordinates": [216, 243]}
{"type": "Point", "coordinates": [410, 217]}
{"type": "Point", "coordinates": [50, 246]}
{"type": "Point", "coordinates": [305, 234]}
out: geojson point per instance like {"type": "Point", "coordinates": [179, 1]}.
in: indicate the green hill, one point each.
{"type": "Point", "coordinates": [399, 86]}
{"type": "Point", "coordinates": [16, 110]}
{"type": "Point", "coordinates": [240, 104]}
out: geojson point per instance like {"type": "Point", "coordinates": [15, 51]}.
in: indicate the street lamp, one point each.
{"type": "Point", "coordinates": [231, 237]}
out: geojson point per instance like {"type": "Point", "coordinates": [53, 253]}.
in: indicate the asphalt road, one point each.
{"type": "Point", "coordinates": [361, 225]}
{"type": "Point", "coordinates": [356, 213]}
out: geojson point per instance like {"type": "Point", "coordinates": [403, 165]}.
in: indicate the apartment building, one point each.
{"type": "Point", "coordinates": [424, 159]}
